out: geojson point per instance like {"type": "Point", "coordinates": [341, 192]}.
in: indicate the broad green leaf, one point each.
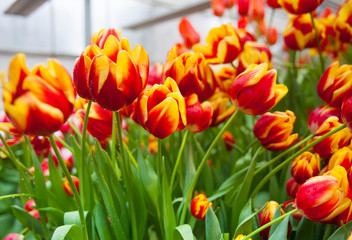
{"type": "Point", "coordinates": [67, 231]}
{"type": "Point", "coordinates": [27, 220]}
{"type": "Point", "coordinates": [102, 223]}
{"type": "Point", "coordinates": [212, 226]}
{"type": "Point", "coordinates": [305, 229]}
{"type": "Point", "coordinates": [168, 210]}
{"type": "Point", "coordinates": [281, 230]}
{"type": "Point", "coordinates": [245, 227]}
{"type": "Point", "coordinates": [275, 225]}
{"type": "Point", "coordinates": [342, 232]}
{"type": "Point", "coordinates": [183, 232]}
{"type": "Point", "coordinates": [73, 217]}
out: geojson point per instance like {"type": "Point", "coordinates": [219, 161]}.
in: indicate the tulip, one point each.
{"type": "Point", "coordinates": [240, 237]}
{"type": "Point", "coordinates": [334, 142]}
{"type": "Point", "coordinates": [109, 73]}
{"type": "Point", "coordinates": [161, 110]}
{"type": "Point", "coordinates": [13, 236]}
{"type": "Point", "coordinates": [191, 73]}
{"type": "Point", "coordinates": [199, 206]}
{"type": "Point", "coordinates": [67, 186]}
{"type": "Point", "coordinates": [271, 35]}
{"type": "Point", "coordinates": [229, 140]}
{"type": "Point", "coordinates": [267, 215]}
{"type": "Point", "coordinates": [66, 156]}
{"type": "Point", "coordinates": [345, 216]}
{"type": "Point", "coordinates": [318, 116]}
{"type": "Point", "coordinates": [29, 205]}
{"type": "Point", "coordinates": [343, 22]}
{"type": "Point", "coordinates": [221, 108]}
{"type": "Point", "coordinates": [218, 7]}
{"type": "Point", "coordinates": [99, 122]}
{"type": "Point", "coordinates": [273, 3]}
{"type": "Point", "coordinates": [297, 215]}
{"type": "Point", "coordinates": [253, 52]}
{"type": "Point", "coordinates": [305, 166]}
{"type": "Point", "coordinates": [41, 145]}
{"type": "Point", "coordinates": [242, 22]}
{"type": "Point", "coordinates": [273, 130]}
{"type": "Point", "coordinates": [39, 101]}
{"type": "Point", "coordinates": [6, 125]}
{"type": "Point", "coordinates": [335, 84]}
{"type": "Point", "coordinates": [44, 165]}
{"type": "Point", "coordinates": [224, 75]}
{"type": "Point", "coordinates": [188, 33]}
{"type": "Point", "coordinates": [155, 75]}
{"type": "Point", "coordinates": [152, 144]}
{"type": "Point", "coordinates": [322, 198]}
{"type": "Point", "coordinates": [223, 45]}
{"type": "Point", "coordinates": [292, 187]}
{"type": "Point", "coordinates": [243, 6]}
{"type": "Point", "coordinates": [346, 111]}
{"type": "Point", "coordinates": [342, 157]}
{"type": "Point", "coordinates": [299, 6]}
{"type": "Point", "coordinates": [199, 115]}
{"type": "Point", "coordinates": [255, 91]}
{"type": "Point", "coordinates": [256, 10]}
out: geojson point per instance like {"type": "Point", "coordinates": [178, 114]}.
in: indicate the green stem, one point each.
{"type": "Point", "coordinates": [322, 64]}
{"type": "Point", "coordinates": [134, 162]}
{"type": "Point", "coordinates": [73, 187]}
{"type": "Point", "coordinates": [120, 141]}
{"type": "Point", "coordinates": [258, 230]}
{"type": "Point", "coordinates": [178, 160]}
{"type": "Point", "coordinates": [287, 161]}
{"type": "Point", "coordinates": [201, 165]}
{"type": "Point", "coordinates": [15, 195]}
{"type": "Point", "coordinates": [160, 154]}
{"type": "Point", "coordinates": [65, 144]}
{"type": "Point", "coordinates": [287, 151]}
{"type": "Point", "coordinates": [113, 143]}
{"type": "Point", "coordinates": [83, 163]}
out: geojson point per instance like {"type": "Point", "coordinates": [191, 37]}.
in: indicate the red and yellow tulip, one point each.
{"type": "Point", "coordinates": [305, 166]}
{"type": "Point", "coordinates": [67, 186]}
{"type": "Point", "coordinates": [109, 73]}
{"type": "Point", "coordinates": [344, 22]}
{"type": "Point", "coordinates": [292, 187]}
{"type": "Point", "coordinates": [229, 140]}
{"type": "Point", "coordinates": [222, 110]}
{"type": "Point", "coordinates": [199, 206]}
{"type": "Point", "coordinates": [199, 115]}
{"type": "Point", "coordinates": [267, 215]}
{"type": "Point", "coordinates": [40, 100]}
{"type": "Point", "coordinates": [299, 6]}
{"type": "Point", "coordinates": [318, 116]}
{"type": "Point", "coordinates": [342, 157]}
{"type": "Point", "coordinates": [188, 33]}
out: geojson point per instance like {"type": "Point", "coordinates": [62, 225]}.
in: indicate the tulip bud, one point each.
{"type": "Point", "coordinates": [152, 144]}
{"type": "Point", "coordinates": [188, 33]}
{"type": "Point", "coordinates": [299, 6]}
{"type": "Point", "coordinates": [255, 91]}
{"type": "Point", "coordinates": [13, 236]}
{"type": "Point", "coordinates": [243, 7]}
{"type": "Point", "coordinates": [109, 73]}
{"type": "Point", "coordinates": [229, 140]}
{"type": "Point", "coordinates": [319, 115]}
{"type": "Point", "coordinates": [305, 166]}
{"type": "Point", "coordinates": [323, 198]}
{"type": "Point", "coordinates": [67, 186]}
{"type": "Point", "coordinates": [29, 205]}
{"type": "Point", "coordinates": [297, 215]}
{"type": "Point", "coordinates": [271, 35]}
{"type": "Point", "coordinates": [199, 115]}
{"type": "Point", "coordinates": [292, 187]}
{"type": "Point", "coordinates": [161, 110]}
{"type": "Point", "coordinates": [273, 130]}
{"type": "Point", "coordinates": [335, 84]}
{"type": "Point", "coordinates": [39, 101]}
{"type": "Point", "coordinates": [267, 215]}
{"type": "Point", "coordinates": [256, 10]}
{"type": "Point", "coordinates": [199, 206]}
{"type": "Point", "coordinates": [218, 7]}
{"type": "Point", "coordinates": [242, 22]}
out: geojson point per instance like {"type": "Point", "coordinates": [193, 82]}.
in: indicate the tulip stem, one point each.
{"type": "Point", "coordinates": [73, 187]}
{"type": "Point", "coordinates": [201, 165]}
{"type": "Point", "coordinates": [83, 166]}
{"type": "Point", "coordinates": [113, 143]}
{"type": "Point", "coordinates": [258, 230]}
{"type": "Point", "coordinates": [272, 161]}
{"type": "Point", "coordinates": [160, 155]}
{"type": "Point", "coordinates": [322, 64]}
{"type": "Point", "coordinates": [287, 161]}
{"type": "Point", "coordinates": [178, 160]}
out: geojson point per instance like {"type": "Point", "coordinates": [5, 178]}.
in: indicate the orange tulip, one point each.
{"type": "Point", "coordinates": [161, 110]}
{"type": "Point", "coordinates": [199, 206]}
{"type": "Point", "coordinates": [256, 10]}
{"type": "Point", "coordinates": [229, 140]}
{"type": "Point", "coordinates": [299, 6]}
{"type": "Point", "coordinates": [271, 35]}
{"type": "Point", "coordinates": [305, 166]}
{"type": "Point", "coordinates": [109, 73]}
{"type": "Point", "coordinates": [38, 102]}
{"type": "Point", "coordinates": [218, 7]}
{"type": "Point", "coordinates": [188, 33]}
{"type": "Point", "coordinates": [255, 91]}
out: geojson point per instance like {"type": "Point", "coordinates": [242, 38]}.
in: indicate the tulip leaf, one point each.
{"type": "Point", "coordinates": [73, 217]}
{"type": "Point", "coordinates": [245, 219]}
{"type": "Point", "coordinates": [67, 232]}
{"type": "Point", "coordinates": [183, 232]}
{"type": "Point", "coordinates": [281, 230]}
{"type": "Point", "coordinates": [168, 210]}
{"type": "Point", "coordinates": [102, 223]}
{"type": "Point", "coordinates": [275, 225]}
{"type": "Point", "coordinates": [28, 220]}
{"type": "Point", "coordinates": [212, 226]}
{"type": "Point", "coordinates": [342, 232]}
{"type": "Point", "coordinates": [305, 229]}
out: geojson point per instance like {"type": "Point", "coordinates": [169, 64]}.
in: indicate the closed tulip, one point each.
{"type": "Point", "coordinates": [266, 216]}
{"type": "Point", "coordinates": [273, 3]}
{"type": "Point", "coordinates": [229, 140]}
{"type": "Point", "coordinates": [305, 166]}
{"type": "Point", "coordinates": [109, 73]}
{"type": "Point", "coordinates": [299, 6]}
{"type": "Point", "coordinates": [199, 115]}
{"type": "Point", "coordinates": [335, 84]}
{"type": "Point", "coordinates": [255, 91]}
{"type": "Point", "coordinates": [199, 206]}
{"type": "Point", "coordinates": [189, 34]}
{"type": "Point", "coordinates": [342, 157]}
{"type": "Point", "coordinates": [346, 111]}
{"type": "Point", "coordinates": [161, 109]}
{"type": "Point", "coordinates": [67, 186]}
{"type": "Point", "coordinates": [292, 187]}
{"type": "Point", "coordinates": [38, 101]}
{"type": "Point", "coordinates": [318, 116]}
{"type": "Point", "coordinates": [343, 22]}
{"type": "Point", "coordinates": [222, 110]}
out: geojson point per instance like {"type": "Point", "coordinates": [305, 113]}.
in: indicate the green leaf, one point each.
{"type": "Point", "coordinates": [212, 226]}
{"type": "Point", "coordinates": [27, 220]}
{"type": "Point", "coordinates": [281, 230]}
{"type": "Point", "coordinates": [73, 217]}
{"type": "Point", "coordinates": [183, 232]}
{"type": "Point", "coordinates": [168, 210]}
{"type": "Point", "coordinates": [245, 226]}
{"type": "Point", "coordinates": [101, 222]}
{"type": "Point", "coordinates": [275, 225]}
{"type": "Point", "coordinates": [342, 232]}
{"type": "Point", "coordinates": [305, 229]}
{"type": "Point", "coordinates": [70, 231]}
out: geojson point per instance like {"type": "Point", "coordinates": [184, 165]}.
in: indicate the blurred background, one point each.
{"type": "Point", "coordinates": [61, 28]}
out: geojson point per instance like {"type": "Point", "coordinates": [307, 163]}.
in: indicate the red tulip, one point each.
{"type": "Point", "coordinates": [199, 206]}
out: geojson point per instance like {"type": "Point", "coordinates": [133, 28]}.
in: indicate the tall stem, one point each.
{"type": "Point", "coordinates": [160, 154]}
{"type": "Point", "coordinates": [178, 160]}
{"type": "Point", "coordinates": [287, 161]}
{"type": "Point", "coordinates": [83, 165]}
{"type": "Point", "coordinates": [113, 145]}
{"type": "Point", "coordinates": [73, 187]}
{"type": "Point", "coordinates": [201, 165]}
{"type": "Point", "coordinates": [322, 64]}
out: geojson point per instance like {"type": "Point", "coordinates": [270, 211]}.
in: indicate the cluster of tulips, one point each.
{"type": "Point", "coordinates": [113, 189]}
